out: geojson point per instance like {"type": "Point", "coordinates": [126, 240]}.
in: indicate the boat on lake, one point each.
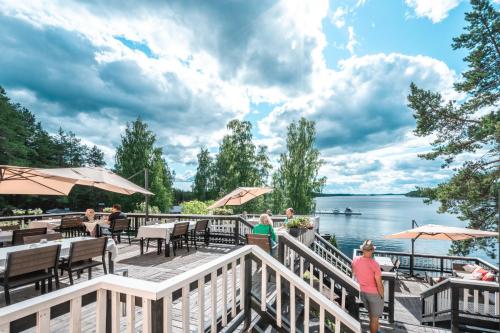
{"type": "Point", "coordinates": [347, 211]}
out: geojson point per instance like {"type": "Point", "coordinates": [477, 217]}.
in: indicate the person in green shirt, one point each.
{"type": "Point", "coordinates": [265, 227]}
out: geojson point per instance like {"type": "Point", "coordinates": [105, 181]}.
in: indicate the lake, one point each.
{"type": "Point", "coordinates": [384, 215]}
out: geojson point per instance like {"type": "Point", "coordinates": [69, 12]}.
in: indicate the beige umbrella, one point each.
{"type": "Point", "coordinates": [21, 180]}
{"type": "Point", "coordinates": [439, 232]}
{"type": "Point", "coordinates": [60, 181]}
{"type": "Point", "coordinates": [240, 195]}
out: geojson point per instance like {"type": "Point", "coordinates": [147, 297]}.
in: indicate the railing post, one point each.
{"type": "Point", "coordinates": [434, 308]}
{"type": "Point", "coordinates": [392, 282]}
{"type": "Point", "coordinates": [157, 316]}
{"type": "Point", "coordinates": [108, 311]}
{"type": "Point", "coordinates": [281, 251]}
{"type": "Point", "coordinates": [237, 231]}
{"type": "Point", "coordinates": [247, 310]}
{"type": "Point", "coordinates": [454, 309]}
{"type": "Point", "coordinates": [442, 265]}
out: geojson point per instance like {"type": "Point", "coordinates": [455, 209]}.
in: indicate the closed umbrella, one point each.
{"type": "Point", "coordinates": [439, 232]}
{"type": "Point", "coordinates": [240, 195]}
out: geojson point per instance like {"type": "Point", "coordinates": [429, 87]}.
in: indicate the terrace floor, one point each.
{"type": "Point", "coordinates": [153, 267]}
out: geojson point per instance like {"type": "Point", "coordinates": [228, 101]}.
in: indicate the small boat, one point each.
{"type": "Point", "coordinates": [348, 211]}
{"type": "Point", "coordinates": [336, 211]}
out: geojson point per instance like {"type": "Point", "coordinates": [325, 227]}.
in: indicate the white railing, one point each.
{"type": "Point", "coordinates": [178, 293]}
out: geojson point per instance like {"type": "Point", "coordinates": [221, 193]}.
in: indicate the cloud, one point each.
{"type": "Point", "coordinates": [436, 11]}
{"type": "Point", "coordinates": [338, 17]}
{"type": "Point", "coordinates": [352, 42]}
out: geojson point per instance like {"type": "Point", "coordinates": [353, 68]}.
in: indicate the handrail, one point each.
{"type": "Point", "coordinates": [151, 292]}
{"type": "Point", "coordinates": [332, 248]}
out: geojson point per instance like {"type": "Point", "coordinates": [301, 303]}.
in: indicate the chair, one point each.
{"type": "Point", "coordinates": [159, 241]}
{"type": "Point", "coordinates": [21, 269]}
{"type": "Point", "coordinates": [10, 227]}
{"type": "Point", "coordinates": [81, 254]}
{"type": "Point", "coordinates": [262, 241]}
{"type": "Point", "coordinates": [201, 229]}
{"type": "Point", "coordinates": [396, 263]}
{"type": "Point", "coordinates": [178, 235]}
{"type": "Point", "coordinates": [18, 235]}
{"type": "Point", "coordinates": [117, 228]}
{"type": "Point", "coordinates": [38, 238]}
{"type": "Point", "coordinates": [71, 226]}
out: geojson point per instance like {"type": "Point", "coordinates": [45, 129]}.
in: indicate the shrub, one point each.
{"type": "Point", "coordinates": [298, 222]}
{"type": "Point", "coordinates": [107, 210]}
{"type": "Point", "coordinates": [141, 208]}
{"type": "Point", "coordinates": [195, 207]}
{"type": "Point", "coordinates": [222, 211]}
{"type": "Point", "coordinates": [333, 240]}
{"type": "Point", "coordinates": [36, 211]}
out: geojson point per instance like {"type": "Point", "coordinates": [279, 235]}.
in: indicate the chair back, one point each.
{"type": "Point", "coordinates": [201, 225]}
{"type": "Point", "coordinates": [18, 235]}
{"type": "Point", "coordinates": [38, 238]}
{"type": "Point", "coordinates": [262, 241]}
{"type": "Point", "coordinates": [397, 263]}
{"type": "Point", "coordinates": [10, 227]}
{"type": "Point", "coordinates": [22, 262]}
{"type": "Point", "coordinates": [87, 249]}
{"type": "Point", "coordinates": [120, 225]}
{"type": "Point", "coordinates": [68, 222]}
{"type": "Point", "coordinates": [180, 228]}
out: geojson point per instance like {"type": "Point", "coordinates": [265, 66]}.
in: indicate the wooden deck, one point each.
{"type": "Point", "coordinates": [153, 267]}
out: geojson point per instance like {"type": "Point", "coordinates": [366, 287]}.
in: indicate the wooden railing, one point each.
{"type": "Point", "coordinates": [456, 303]}
{"type": "Point", "coordinates": [431, 264]}
{"type": "Point", "coordinates": [230, 276]}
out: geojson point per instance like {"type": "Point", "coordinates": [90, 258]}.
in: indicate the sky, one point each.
{"type": "Point", "coordinates": [187, 67]}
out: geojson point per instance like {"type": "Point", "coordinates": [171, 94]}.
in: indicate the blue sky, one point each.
{"type": "Point", "coordinates": [188, 67]}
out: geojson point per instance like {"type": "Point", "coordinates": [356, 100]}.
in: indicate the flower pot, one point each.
{"type": "Point", "coordinates": [295, 232]}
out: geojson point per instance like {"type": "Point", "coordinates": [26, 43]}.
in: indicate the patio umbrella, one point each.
{"type": "Point", "coordinates": [240, 195]}
{"type": "Point", "coordinates": [22, 180]}
{"type": "Point", "coordinates": [439, 232]}
{"type": "Point", "coordinates": [60, 181]}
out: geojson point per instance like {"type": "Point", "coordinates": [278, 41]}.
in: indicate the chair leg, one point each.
{"type": "Point", "coordinates": [147, 245]}
{"type": "Point", "coordinates": [37, 285]}
{"type": "Point", "coordinates": [7, 295]}
{"type": "Point", "coordinates": [49, 280]}
{"type": "Point", "coordinates": [44, 290]}
{"type": "Point", "coordinates": [70, 274]}
{"type": "Point", "coordinates": [129, 242]}
{"type": "Point", "coordinates": [187, 242]}
{"type": "Point", "coordinates": [174, 246]}
{"type": "Point", "coordinates": [90, 273]}
{"type": "Point", "coordinates": [56, 278]}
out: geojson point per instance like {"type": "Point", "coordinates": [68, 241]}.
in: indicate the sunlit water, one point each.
{"type": "Point", "coordinates": [381, 216]}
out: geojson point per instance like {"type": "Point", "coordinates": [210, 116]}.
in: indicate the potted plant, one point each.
{"type": "Point", "coordinates": [297, 226]}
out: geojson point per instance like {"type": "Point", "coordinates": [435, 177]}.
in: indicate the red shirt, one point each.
{"type": "Point", "coordinates": [365, 270]}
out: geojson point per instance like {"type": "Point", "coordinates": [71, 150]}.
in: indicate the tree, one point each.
{"type": "Point", "coordinates": [297, 179]}
{"type": "Point", "coordinates": [236, 163]}
{"type": "Point", "coordinates": [95, 157]}
{"type": "Point", "coordinates": [137, 152]}
{"type": "Point", "coordinates": [469, 130]}
{"type": "Point", "coordinates": [204, 178]}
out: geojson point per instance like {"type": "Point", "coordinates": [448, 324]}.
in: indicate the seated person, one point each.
{"type": "Point", "coordinates": [89, 215]}
{"type": "Point", "coordinates": [116, 214]}
{"type": "Point", "coordinates": [265, 227]}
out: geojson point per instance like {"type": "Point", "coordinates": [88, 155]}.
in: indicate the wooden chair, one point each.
{"type": "Point", "coordinates": [18, 235]}
{"type": "Point", "coordinates": [178, 235]}
{"type": "Point", "coordinates": [71, 226]}
{"type": "Point", "coordinates": [262, 241]}
{"type": "Point", "coordinates": [201, 229]}
{"type": "Point", "coordinates": [81, 254]}
{"type": "Point", "coordinates": [38, 238]}
{"type": "Point", "coordinates": [117, 228]}
{"type": "Point", "coordinates": [10, 227]}
{"type": "Point", "coordinates": [21, 269]}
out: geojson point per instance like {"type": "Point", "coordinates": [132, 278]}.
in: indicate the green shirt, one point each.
{"type": "Point", "coordinates": [264, 229]}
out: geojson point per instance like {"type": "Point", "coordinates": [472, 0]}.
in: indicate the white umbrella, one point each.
{"type": "Point", "coordinates": [240, 195]}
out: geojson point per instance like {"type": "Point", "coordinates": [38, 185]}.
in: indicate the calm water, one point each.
{"type": "Point", "coordinates": [384, 215]}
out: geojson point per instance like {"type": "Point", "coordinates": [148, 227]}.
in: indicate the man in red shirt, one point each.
{"type": "Point", "coordinates": [367, 272]}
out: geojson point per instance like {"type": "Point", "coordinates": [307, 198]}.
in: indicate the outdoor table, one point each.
{"type": "Point", "coordinates": [50, 224]}
{"type": "Point", "coordinates": [111, 248]}
{"type": "Point", "coordinates": [160, 232]}
{"type": "Point", "coordinates": [5, 236]}
{"type": "Point", "coordinates": [385, 263]}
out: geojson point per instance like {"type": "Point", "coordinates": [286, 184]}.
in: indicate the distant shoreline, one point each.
{"type": "Point", "coordinates": [409, 194]}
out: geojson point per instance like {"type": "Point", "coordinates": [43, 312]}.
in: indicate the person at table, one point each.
{"type": "Point", "coordinates": [89, 215]}
{"type": "Point", "coordinates": [116, 214]}
{"type": "Point", "coordinates": [289, 215]}
{"type": "Point", "coordinates": [367, 272]}
{"type": "Point", "coordinates": [265, 227]}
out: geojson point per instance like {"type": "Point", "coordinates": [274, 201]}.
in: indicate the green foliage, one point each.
{"type": "Point", "coordinates": [301, 222]}
{"type": "Point", "coordinates": [137, 152]}
{"type": "Point", "coordinates": [333, 240]}
{"type": "Point", "coordinates": [296, 180]}
{"type": "Point", "coordinates": [36, 211]}
{"type": "Point", "coordinates": [203, 186]}
{"type": "Point", "coordinates": [222, 211]}
{"type": "Point", "coordinates": [141, 208]}
{"type": "Point", "coordinates": [195, 207]}
{"type": "Point", "coordinates": [469, 130]}
{"type": "Point", "coordinates": [107, 210]}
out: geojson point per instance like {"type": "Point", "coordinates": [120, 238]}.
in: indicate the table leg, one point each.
{"type": "Point", "coordinates": [167, 249]}
{"type": "Point", "coordinates": [111, 264]}
{"type": "Point", "coordinates": [158, 245]}
{"type": "Point", "coordinates": [141, 242]}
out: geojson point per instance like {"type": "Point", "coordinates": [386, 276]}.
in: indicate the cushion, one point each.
{"type": "Point", "coordinates": [469, 268]}
{"type": "Point", "coordinates": [480, 270]}
{"type": "Point", "coordinates": [488, 277]}
{"type": "Point", "coordinates": [477, 275]}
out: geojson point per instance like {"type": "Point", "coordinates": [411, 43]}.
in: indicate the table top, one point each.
{"type": "Point", "coordinates": [385, 263]}
{"type": "Point", "coordinates": [162, 230]}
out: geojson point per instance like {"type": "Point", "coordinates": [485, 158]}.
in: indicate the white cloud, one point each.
{"type": "Point", "coordinates": [352, 42]}
{"type": "Point", "coordinates": [434, 10]}
{"type": "Point", "coordinates": [338, 17]}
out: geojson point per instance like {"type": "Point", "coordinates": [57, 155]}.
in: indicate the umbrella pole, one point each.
{"type": "Point", "coordinates": [412, 257]}
{"type": "Point", "coordinates": [146, 200]}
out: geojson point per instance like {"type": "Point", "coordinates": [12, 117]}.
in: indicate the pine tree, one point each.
{"type": "Point", "coordinates": [203, 180]}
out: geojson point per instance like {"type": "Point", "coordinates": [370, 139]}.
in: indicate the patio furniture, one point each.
{"type": "Point", "coordinates": [158, 231]}
{"type": "Point", "coordinates": [10, 227]}
{"type": "Point", "coordinates": [81, 254]}
{"type": "Point", "coordinates": [385, 263]}
{"type": "Point", "coordinates": [18, 235]}
{"type": "Point", "coordinates": [200, 230]}
{"type": "Point", "coordinates": [71, 226]}
{"type": "Point", "coordinates": [21, 269]}
{"type": "Point", "coordinates": [159, 240]}
{"type": "Point", "coordinates": [50, 224]}
{"type": "Point", "coordinates": [179, 234]}
{"type": "Point", "coordinates": [396, 264]}
{"type": "Point", "coordinates": [38, 238]}
{"type": "Point", "coordinates": [117, 228]}
{"type": "Point", "coordinates": [262, 241]}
